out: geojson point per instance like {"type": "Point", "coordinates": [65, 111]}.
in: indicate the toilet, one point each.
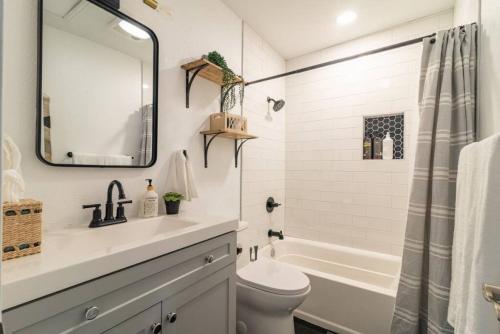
{"type": "Point", "coordinates": [267, 294]}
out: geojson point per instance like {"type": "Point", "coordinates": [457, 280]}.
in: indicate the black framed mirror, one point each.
{"type": "Point", "coordinates": [97, 89]}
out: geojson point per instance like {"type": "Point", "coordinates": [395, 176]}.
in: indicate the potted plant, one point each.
{"type": "Point", "coordinates": [172, 202]}
{"type": "Point", "coordinates": [228, 79]}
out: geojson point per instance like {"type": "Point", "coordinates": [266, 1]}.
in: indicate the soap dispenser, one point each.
{"type": "Point", "coordinates": [388, 146]}
{"type": "Point", "coordinates": [148, 206]}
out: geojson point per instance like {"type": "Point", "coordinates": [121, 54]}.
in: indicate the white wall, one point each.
{"type": "Point", "coordinates": [465, 11]}
{"type": "Point", "coordinates": [489, 69]}
{"type": "Point", "coordinates": [95, 96]}
{"type": "Point", "coordinates": [332, 195]}
{"type": "Point", "coordinates": [487, 14]}
{"type": "Point", "coordinates": [263, 171]}
{"type": "Point", "coordinates": [188, 34]}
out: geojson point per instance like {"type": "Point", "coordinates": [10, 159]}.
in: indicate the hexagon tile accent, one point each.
{"type": "Point", "coordinates": [378, 126]}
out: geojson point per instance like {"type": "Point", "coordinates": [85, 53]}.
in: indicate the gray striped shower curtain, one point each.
{"type": "Point", "coordinates": [146, 148]}
{"type": "Point", "coordinates": [447, 123]}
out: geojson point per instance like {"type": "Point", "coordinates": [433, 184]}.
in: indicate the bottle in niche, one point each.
{"type": "Point", "coordinates": [377, 148]}
{"type": "Point", "coordinates": [388, 145]}
{"type": "Point", "coordinates": [367, 148]}
{"type": "Point", "coordinates": [148, 206]}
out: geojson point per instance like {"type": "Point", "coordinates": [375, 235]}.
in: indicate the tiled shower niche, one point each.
{"type": "Point", "coordinates": [378, 126]}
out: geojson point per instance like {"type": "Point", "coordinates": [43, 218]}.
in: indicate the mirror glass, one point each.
{"type": "Point", "coordinates": [98, 87]}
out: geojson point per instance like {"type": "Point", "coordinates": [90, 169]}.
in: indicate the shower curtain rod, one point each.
{"type": "Point", "coordinates": [340, 60]}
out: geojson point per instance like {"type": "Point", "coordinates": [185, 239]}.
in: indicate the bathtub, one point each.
{"type": "Point", "coordinates": [353, 290]}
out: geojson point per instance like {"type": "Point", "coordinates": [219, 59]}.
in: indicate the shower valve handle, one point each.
{"type": "Point", "coordinates": [271, 204]}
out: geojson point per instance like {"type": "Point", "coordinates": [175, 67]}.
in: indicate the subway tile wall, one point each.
{"type": "Point", "coordinates": [263, 168]}
{"type": "Point", "coordinates": [332, 195]}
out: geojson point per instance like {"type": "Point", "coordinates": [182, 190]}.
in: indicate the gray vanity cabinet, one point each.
{"type": "Point", "coordinates": [190, 291]}
{"type": "Point", "coordinates": [206, 307]}
{"type": "Point", "coordinates": [142, 323]}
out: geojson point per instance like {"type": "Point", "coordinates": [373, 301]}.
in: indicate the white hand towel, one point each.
{"type": "Point", "coordinates": [180, 176]}
{"type": "Point", "coordinates": [80, 158]}
{"type": "Point", "coordinates": [11, 154]}
{"type": "Point", "coordinates": [475, 245]}
{"type": "Point", "coordinates": [13, 185]}
{"type": "Point", "coordinates": [118, 160]}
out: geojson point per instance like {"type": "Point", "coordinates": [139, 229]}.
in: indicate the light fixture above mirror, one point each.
{"type": "Point", "coordinates": [346, 17]}
{"type": "Point", "coordinates": [133, 30]}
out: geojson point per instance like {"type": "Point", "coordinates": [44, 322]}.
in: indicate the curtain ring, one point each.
{"type": "Point", "coordinates": [433, 40]}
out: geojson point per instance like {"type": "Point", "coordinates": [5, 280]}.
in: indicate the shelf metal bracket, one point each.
{"type": "Point", "coordinates": [237, 149]}
{"type": "Point", "coordinates": [224, 90]}
{"type": "Point", "coordinates": [190, 79]}
{"type": "Point", "coordinates": [207, 145]}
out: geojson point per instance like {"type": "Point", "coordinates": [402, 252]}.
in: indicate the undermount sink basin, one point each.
{"type": "Point", "coordinates": [135, 231]}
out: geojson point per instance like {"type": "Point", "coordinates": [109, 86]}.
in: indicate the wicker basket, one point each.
{"type": "Point", "coordinates": [22, 228]}
{"type": "Point", "coordinates": [225, 122]}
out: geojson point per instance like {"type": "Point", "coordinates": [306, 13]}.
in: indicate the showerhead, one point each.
{"type": "Point", "coordinates": [277, 105]}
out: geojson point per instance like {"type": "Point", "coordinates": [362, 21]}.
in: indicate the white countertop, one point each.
{"type": "Point", "coordinates": [75, 255]}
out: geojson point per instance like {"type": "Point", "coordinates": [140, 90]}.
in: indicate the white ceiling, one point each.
{"type": "Point", "coordinates": [297, 27]}
{"type": "Point", "coordinates": [84, 19]}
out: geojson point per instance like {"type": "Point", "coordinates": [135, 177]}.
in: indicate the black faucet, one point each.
{"type": "Point", "coordinates": [272, 233]}
{"type": "Point", "coordinates": [109, 199]}
{"type": "Point", "coordinates": [108, 218]}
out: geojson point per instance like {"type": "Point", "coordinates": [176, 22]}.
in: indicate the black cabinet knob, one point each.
{"type": "Point", "coordinates": [156, 328]}
{"type": "Point", "coordinates": [172, 317]}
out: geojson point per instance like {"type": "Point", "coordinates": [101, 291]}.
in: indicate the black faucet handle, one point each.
{"type": "Point", "coordinates": [120, 210]}
{"type": "Point", "coordinates": [96, 214]}
{"type": "Point", "coordinates": [90, 206]}
{"type": "Point", "coordinates": [271, 204]}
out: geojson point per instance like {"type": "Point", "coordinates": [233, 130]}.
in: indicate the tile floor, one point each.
{"type": "Point", "coordinates": [303, 327]}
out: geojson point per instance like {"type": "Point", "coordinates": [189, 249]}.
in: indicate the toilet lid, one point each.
{"type": "Point", "coordinates": [274, 277]}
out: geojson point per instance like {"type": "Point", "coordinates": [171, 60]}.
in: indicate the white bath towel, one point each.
{"type": "Point", "coordinates": [180, 177]}
{"type": "Point", "coordinates": [13, 185]}
{"type": "Point", "coordinates": [80, 158]}
{"type": "Point", "coordinates": [475, 243]}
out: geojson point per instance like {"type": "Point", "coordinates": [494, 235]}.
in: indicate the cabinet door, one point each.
{"type": "Point", "coordinates": [206, 307]}
{"type": "Point", "coordinates": [146, 322]}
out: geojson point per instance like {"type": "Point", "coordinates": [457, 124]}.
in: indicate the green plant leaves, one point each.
{"type": "Point", "coordinates": [228, 78]}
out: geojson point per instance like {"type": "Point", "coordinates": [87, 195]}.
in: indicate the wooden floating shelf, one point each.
{"type": "Point", "coordinates": [230, 135]}
{"type": "Point", "coordinates": [241, 136]}
{"type": "Point", "coordinates": [209, 71]}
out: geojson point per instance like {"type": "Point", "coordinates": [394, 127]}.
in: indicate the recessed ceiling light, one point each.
{"type": "Point", "coordinates": [346, 17]}
{"type": "Point", "coordinates": [133, 30]}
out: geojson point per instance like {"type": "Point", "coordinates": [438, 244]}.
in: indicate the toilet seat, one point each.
{"type": "Point", "coordinates": [274, 277]}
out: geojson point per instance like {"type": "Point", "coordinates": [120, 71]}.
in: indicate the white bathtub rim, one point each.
{"type": "Point", "coordinates": [391, 292]}
{"type": "Point", "coordinates": [344, 280]}
{"type": "Point", "coordinates": [347, 249]}
{"type": "Point", "coordinates": [336, 263]}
